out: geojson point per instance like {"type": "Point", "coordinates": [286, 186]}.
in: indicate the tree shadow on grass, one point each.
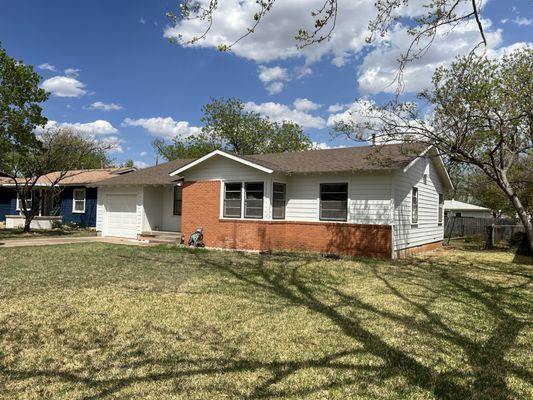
{"type": "Point", "coordinates": [417, 284]}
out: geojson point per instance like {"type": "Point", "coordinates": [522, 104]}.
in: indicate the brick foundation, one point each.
{"type": "Point", "coordinates": [201, 208]}
{"type": "Point", "coordinates": [418, 249]}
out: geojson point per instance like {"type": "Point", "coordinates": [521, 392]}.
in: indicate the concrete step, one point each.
{"type": "Point", "coordinates": [162, 241]}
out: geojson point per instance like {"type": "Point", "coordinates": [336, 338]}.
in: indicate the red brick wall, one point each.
{"type": "Point", "coordinates": [201, 208]}
{"type": "Point", "coordinates": [418, 249]}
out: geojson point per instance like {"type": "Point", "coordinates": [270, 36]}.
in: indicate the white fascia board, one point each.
{"type": "Point", "coordinates": [223, 154]}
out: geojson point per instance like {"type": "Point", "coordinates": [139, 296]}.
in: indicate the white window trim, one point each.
{"type": "Point", "coordinates": [74, 211]}
{"type": "Point", "coordinates": [18, 203]}
{"type": "Point", "coordinates": [243, 193]}
{"type": "Point", "coordinates": [347, 203]}
{"type": "Point", "coordinates": [284, 204]}
{"type": "Point", "coordinates": [438, 208]}
{"type": "Point", "coordinates": [417, 205]}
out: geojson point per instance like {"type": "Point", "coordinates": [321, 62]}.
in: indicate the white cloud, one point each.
{"type": "Point", "coordinates": [47, 67]}
{"type": "Point", "coordinates": [143, 153]}
{"type": "Point", "coordinates": [280, 112]}
{"type": "Point", "coordinates": [523, 21]}
{"type": "Point", "coordinates": [273, 39]}
{"type": "Point", "coordinates": [140, 164]}
{"type": "Point", "coordinates": [98, 127]}
{"type": "Point", "coordinates": [302, 72]}
{"type": "Point", "coordinates": [324, 146]}
{"type": "Point", "coordinates": [164, 127]}
{"type": "Point", "coordinates": [274, 87]}
{"type": "Point", "coordinates": [273, 78]}
{"type": "Point", "coordinates": [380, 67]}
{"type": "Point", "coordinates": [267, 74]}
{"type": "Point", "coordinates": [64, 86]}
{"type": "Point", "coordinates": [305, 105]}
{"type": "Point", "coordinates": [142, 21]}
{"type": "Point", "coordinates": [114, 142]}
{"type": "Point", "coordinates": [72, 72]}
{"type": "Point", "coordinates": [334, 108]}
{"type": "Point", "coordinates": [98, 105]}
{"type": "Point", "coordinates": [518, 20]}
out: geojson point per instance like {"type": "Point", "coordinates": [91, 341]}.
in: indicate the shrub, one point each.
{"type": "Point", "coordinates": [516, 238]}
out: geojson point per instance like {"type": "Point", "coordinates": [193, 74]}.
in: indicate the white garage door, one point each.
{"type": "Point", "coordinates": [121, 215]}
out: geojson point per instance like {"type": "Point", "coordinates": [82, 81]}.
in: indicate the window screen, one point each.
{"type": "Point", "coordinates": [333, 201]}
{"type": "Point", "coordinates": [178, 193]}
{"type": "Point", "coordinates": [278, 201]}
{"type": "Point", "coordinates": [232, 200]}
{"type": "Point", "coordinates": [79, 200]}
{"type": "Point", "coordinates": [253, 200]}
{"type": "Point", "coordinates": [414, 206]}
{"type": "Point", "coordinates": [441, 207]}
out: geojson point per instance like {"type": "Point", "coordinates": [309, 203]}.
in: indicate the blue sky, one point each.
{"type": "Point", "coordinates": [114, 73]}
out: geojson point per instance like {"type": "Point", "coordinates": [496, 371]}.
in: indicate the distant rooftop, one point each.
{"type": "Point", "coordinates": [462, 206]}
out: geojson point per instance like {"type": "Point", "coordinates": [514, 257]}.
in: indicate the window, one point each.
{"type": "Point", "coordinates": [278, 201]}
{"type": "Point", "coordinates": [78, 201]}
{"type": "Point", "coordinates": [441, 207]}
{"type": "Point", "coordinates": [29, 201]}
{"type": "Point", "coordinates": [253, 200]}
{"type": "Point", "coordinates": [414, 205]}
{"type": "Point", "coordinates": [333, 201]}
{"type": "Point", "coordinates": [232, 200]}
{"type": "Point", "coordinates": [178, 193]}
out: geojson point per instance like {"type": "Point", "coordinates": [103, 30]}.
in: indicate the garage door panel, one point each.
{"type": "Point", "coordinates": [121, 215]}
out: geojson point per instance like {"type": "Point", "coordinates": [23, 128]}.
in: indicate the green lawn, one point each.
{"type": "Point", "coordinates": [96, 320]}
{"type": "Point", "coordinates": [20, 234]}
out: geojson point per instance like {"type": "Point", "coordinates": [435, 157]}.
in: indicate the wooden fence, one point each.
{"type": "Point", "coordinates": [455, 227]}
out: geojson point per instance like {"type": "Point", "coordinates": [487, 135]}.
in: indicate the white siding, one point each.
{"type": "Point", "coordinates": [169, 221]}
{"type": "Point", "coordinates": [369, 194]}
{"type": "Point", "coordinates": [220, 167]}
{"type": "Point", "coordinates": [369, 197]}
{"type": "Point", "coordinates": [101, 208]}
{"type": "Point", "coordinates": [427, 230]}
{"type": "Point", "coordinates": [152, 202]}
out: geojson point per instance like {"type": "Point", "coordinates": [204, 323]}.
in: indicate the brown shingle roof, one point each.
{"type": "Point", "coordinates": [361, 158]}
{"type": "Point", "coordinates": [156, 175]}
{"type": "Point", "coordinates": [76, 177]}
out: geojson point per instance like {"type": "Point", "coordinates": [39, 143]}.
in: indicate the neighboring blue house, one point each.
{"type": "Point", "coordinates": [73, 198]}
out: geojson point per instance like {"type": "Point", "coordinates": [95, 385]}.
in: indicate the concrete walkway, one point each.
{"type": "Point", "coordinates": [67, 240]}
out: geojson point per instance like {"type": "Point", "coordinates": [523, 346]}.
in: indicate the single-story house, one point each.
{"type": "Point", "coordinates": [380, 201]}
{"type": "Point", "coordinates": [72, 200]}
{"type": "Point", "coordinates": [457, 208]}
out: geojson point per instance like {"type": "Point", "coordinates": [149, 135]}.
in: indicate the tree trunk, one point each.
{"type": "Point", "coordinates": [520, 210]}
{"type": "Point", "coordinates": [27, 222]}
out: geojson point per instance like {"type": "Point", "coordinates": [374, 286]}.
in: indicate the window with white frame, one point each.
{"type": "Point", "coordinates": [29, 201]}
{"type": "Point", "coordinates": [78, 201]}
{"type": "Point", "coordinates": [253, 200]}
{"type": "Point", "coordinates": [441, 207]}
{"type": "Point", "coordinates": [232, 200]}
{"type": "Point", "coordinates": [333, 201]}
{"type": "Point", "coordinates": [414, 205]}
{"type": "Point", "coordinates": [278, 200]}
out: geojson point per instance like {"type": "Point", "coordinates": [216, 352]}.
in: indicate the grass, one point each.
{"type": "Point", "coordinates": [36, 234]}
{"type": "Point", "coordinates": [89, 321]}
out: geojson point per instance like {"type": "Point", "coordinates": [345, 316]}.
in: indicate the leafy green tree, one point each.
{"type": "Point", "coordinates": [482, 117]}
{"type": "Point", "coordinates": [228, 126]}
{"type": "Point", "coordinates": [60, 152]}
{"type": "Point", "coordinates": [487, 193]}
{"type": "Point", "coordinates": [20, 110]}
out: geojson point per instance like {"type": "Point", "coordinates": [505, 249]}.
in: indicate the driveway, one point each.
{"type": "Point", "coordinates": [67, 240]}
